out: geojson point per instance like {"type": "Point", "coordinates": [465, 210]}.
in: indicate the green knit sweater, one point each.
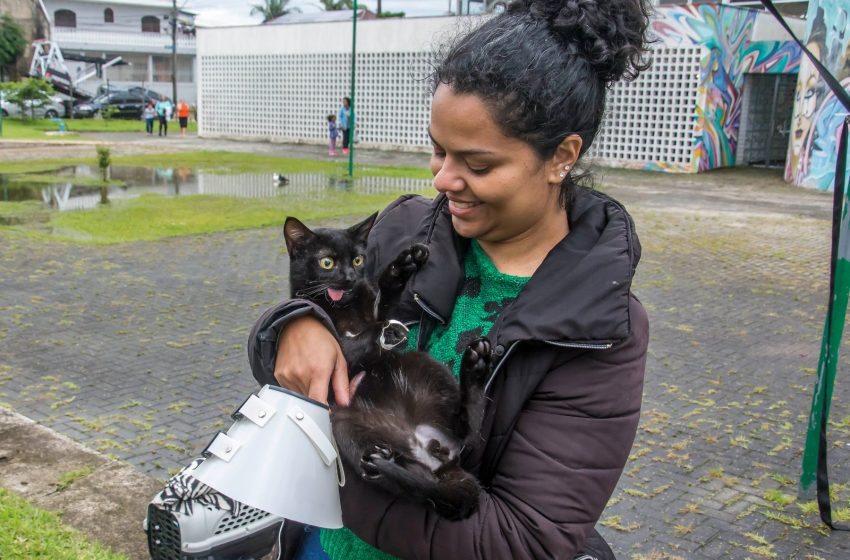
{"type": "Point", "coordinates": [485, 293]}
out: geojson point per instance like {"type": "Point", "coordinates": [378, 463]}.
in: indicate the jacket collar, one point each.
{"type": "Point", "coordinates": [578, 296]}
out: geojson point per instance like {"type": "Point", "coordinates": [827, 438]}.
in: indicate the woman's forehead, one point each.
{"type": "Point", "coordinates": [464, 120]}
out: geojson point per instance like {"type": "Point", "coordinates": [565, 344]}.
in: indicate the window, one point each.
{"type": "Point", "coordinates": [108, 16]}
{"type": "Point", "coordinates": [162, 69]}
{"type": "Point", "coordinates": [65, 18]}
{"type": "Point", "coordinates": [135, 71]}
{"type": "Point", "coordinates": [150, 24]}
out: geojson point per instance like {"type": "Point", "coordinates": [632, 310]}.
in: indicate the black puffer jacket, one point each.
{"type": "Point", "coordinates": [565, 395]}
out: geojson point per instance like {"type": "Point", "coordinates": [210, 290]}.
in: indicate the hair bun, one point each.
{"type": "Point", "coordinates": [609, 34]}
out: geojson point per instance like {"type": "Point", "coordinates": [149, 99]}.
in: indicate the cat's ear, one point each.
{"type": "Point", "coordinates": [295, 233]}
{"type": "Point", "coordinates": [361, 230]}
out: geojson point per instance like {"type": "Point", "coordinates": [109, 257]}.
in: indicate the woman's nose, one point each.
{"type": "Point", "coordinates": [447, 179]}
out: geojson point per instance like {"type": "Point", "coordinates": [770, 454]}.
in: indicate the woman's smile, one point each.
{"type": "Point", "coordinates": [461, 208]}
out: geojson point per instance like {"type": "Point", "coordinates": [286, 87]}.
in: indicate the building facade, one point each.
{"type": "Point", "coordinates": [139, 31]}
{"type": "Point", "coordinates": [818, 115]}
{"type": "Point", "coordinates": [31, 15]}
{"type": "Point", "coordinates": [684, 114]}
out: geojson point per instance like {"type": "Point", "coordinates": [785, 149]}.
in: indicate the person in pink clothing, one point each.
{"type": "Point", "coordinates": [333, 134]}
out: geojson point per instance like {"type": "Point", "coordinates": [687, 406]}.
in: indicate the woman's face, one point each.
{"type": "Point", "coordinates": [805, 103]}
{"type": "Point", "coordinates": [498, 187]}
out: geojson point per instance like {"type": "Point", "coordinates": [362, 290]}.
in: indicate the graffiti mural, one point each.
{"type": "Point", "coordinates": [817, 113]}
{"type": "Point", "coordinates": [725, 32]}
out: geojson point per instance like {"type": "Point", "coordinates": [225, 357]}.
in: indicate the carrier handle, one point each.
{"type": "Point", "coordinates": [315, 434]}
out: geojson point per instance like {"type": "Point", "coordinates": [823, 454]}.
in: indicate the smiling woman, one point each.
{"type": "Point", "coordinates": [519, 253]}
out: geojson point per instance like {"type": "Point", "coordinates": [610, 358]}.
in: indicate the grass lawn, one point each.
{"type": "Point", "coordinates": [29, 533]}
{"type": "Point", "coordinates": [151, 217]}
{"type": "Point", "coordinates": [35, 129]}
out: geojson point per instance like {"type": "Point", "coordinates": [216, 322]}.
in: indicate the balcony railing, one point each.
{"type": "Point", "coordinates": [118, 41]}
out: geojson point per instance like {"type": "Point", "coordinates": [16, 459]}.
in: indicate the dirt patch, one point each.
{"type": "Point", "coordinates": [108, 505]}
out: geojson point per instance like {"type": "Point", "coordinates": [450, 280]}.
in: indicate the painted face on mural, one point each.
{"type": "Point", "coordinates": [805, 103]}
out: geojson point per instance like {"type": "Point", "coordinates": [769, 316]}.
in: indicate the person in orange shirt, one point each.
{"type": "Point", "coordinates": [183, 116]}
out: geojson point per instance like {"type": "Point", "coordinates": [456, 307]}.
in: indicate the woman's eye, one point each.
{"type": "Point", "coordinates": [327, 263]}
{"type": "Point", "coordinates": [358, 260]}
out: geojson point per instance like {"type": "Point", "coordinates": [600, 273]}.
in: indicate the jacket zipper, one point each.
{"type": "Point", "coordinates": [585, 345]}
{"type": "Point", "coordinates": [499, 365]}
{"type": "Point", "coordinates": [427, 309]}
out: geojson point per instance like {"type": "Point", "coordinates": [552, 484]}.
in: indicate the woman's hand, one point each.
{"type": "Point", "coordinates": [309, 360]}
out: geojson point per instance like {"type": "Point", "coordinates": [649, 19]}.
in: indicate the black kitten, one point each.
{"type": "Point", "coordinates": [409, 418]}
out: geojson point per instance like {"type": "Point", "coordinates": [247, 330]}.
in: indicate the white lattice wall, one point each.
{"type": "Point", "coordinates": [288, 96]}
{"type": "Point", "coordinates": [280, 82]}
{"type": "Point", "coordinates": [654, 118]}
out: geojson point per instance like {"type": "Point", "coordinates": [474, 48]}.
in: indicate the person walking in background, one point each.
{"type": "Point", "coordinates": [183, 116]}
{"type": "Point", "coordinates": [149, 114]}
{"type": "Point", "coordinates": [333, 133]}
{"type": "Point", "coordinates": [342, 122]}
{"type": "Point", "coordinates": [163, 111]}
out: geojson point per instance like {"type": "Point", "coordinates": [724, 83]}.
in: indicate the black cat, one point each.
{"type": "Point", "coordinates": [409, 418]}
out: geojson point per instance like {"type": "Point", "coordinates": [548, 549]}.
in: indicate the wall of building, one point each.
{"type": "Point", "coordinates": [127, 19]}
{"type": "Point", "coordinates": [278, 83]}
{"type": "Point", "coordinates": [734, 42]}
{"type": "Point", "coordinates": [817, 113]}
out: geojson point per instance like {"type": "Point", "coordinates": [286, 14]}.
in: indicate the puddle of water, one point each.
{"type": "Point", "coordinates": [68, 194]}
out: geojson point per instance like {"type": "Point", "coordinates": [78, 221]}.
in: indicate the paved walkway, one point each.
{"type": "Point", "coordinates": [138, 351]}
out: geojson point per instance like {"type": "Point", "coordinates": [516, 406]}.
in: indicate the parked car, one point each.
{"type": "Point", "coordinates": [127, 105]}
{"type": "Point", "coordinates": [41, 110]}
{"type": "Point", "coordinates": [148, 94]}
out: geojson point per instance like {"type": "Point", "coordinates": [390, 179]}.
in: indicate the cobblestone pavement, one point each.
{"type": "Point", "coordinates": [138, 350]}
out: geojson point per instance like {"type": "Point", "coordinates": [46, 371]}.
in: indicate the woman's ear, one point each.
{"type": "Point", "coordinates": [564, 158]}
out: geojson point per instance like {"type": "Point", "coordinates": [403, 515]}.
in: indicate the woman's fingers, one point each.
{"type": "Point", "coordinates": [308, 358]}
{"type": "Point", "coordinates": [339, 380]}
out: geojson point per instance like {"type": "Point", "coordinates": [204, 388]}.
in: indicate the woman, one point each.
{"type": "Point", "coordinates": [183, 116]}
{"type": "Point", "coordinates": [343, 123]}
{"type": "Point", "coordinates": [522, 254]}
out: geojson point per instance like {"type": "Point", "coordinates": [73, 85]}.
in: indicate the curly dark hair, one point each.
{"type": "Point", "coordinates": [543, 67]}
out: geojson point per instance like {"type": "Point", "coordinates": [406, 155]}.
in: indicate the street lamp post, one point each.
{"type": "Point", "coordinates": [174, 51]}
{"type": "Point", "coordinates": [351, 94]}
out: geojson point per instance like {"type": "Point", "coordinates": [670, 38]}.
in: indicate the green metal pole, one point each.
{"type": "Point", "coordinates": [351, 94]}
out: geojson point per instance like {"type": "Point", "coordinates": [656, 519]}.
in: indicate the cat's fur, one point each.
{"type": "Point", "coordinates": [409, 418]}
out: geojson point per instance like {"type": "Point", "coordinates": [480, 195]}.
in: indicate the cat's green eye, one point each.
{"type": "Point", "coordinates": [358, 260]}
{"type": "Point", "coordinates": [327, 263]}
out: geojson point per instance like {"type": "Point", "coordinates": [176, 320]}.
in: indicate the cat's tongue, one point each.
{"type": "Point", "coordinates": [335, 294]}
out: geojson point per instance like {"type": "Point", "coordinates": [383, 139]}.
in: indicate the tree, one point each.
{"type": "Point", "coordinates": [104, 160]}
{"type": "Point", "coordinates": [334, 5]}
{"type": "Point", "coordinates": [271, 9]}
{"type": "Point", "coordinates": [12, 43]}
{"type": "Point", "coordinates": [29, 93]}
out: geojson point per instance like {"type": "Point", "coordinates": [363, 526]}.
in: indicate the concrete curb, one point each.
{"type": "Point", "coordinates": [108, 505]}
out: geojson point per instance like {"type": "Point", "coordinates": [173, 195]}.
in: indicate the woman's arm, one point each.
{"type": "Point", "coordinates": [294, 345]}
{"type": "Point", "coordinates": [559, 469]}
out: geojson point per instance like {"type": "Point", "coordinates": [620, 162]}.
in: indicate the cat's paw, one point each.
{"type": "Point", "coordinates": [402, 268]}
{"type": "Point", "coordinates": [372, 459]}
{"type": "Point", "coordinates": [459, 496]}
{"type": "Point", "coordinates": [477, 363]}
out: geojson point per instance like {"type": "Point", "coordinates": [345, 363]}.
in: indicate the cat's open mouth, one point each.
{"type": "Point", "coordinates": [335, 294]}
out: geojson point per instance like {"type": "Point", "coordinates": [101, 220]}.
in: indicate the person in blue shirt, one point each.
{"type": "Point", "coordinates": [342, 122]}
{"type": "Point", "coordinates": [163, 110]}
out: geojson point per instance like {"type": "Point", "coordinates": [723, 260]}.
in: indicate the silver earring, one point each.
{"type": "Point", "coordinates": [562, 174]}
